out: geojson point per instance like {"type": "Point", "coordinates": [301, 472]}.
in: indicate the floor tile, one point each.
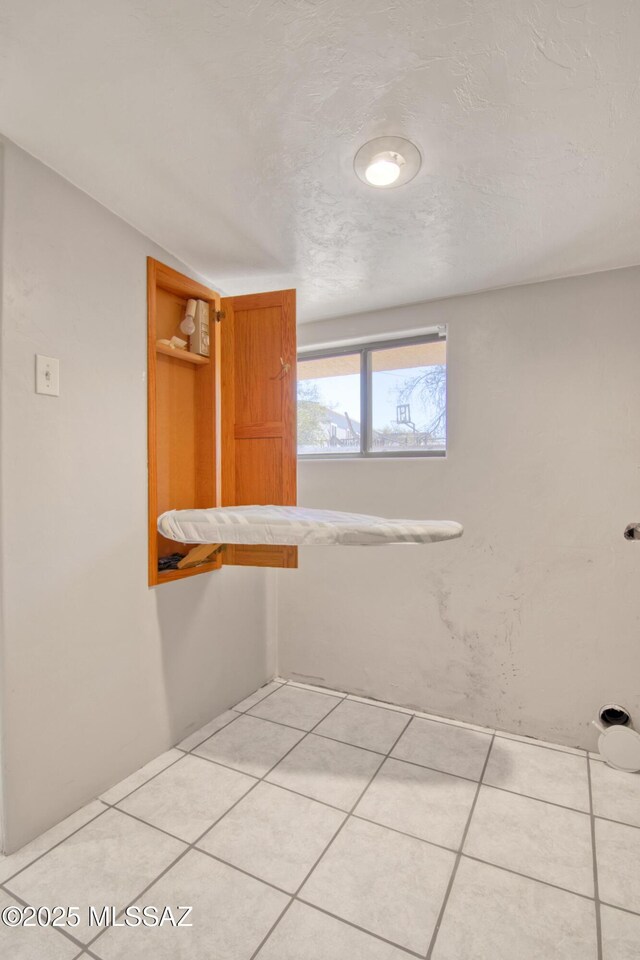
{"type": "Point", "coordinates": [308, 934]}
{"type": "Point", "coordinates": [541, 743]}
{"type": "Point", "coordinates": [445, 747]}
{"type": "Point", "coordinates": [232, 913]}
{"type": "Point", "coordinates": [188, 798]}
{"type": "Point", "coordinates": [274, 834]}
{"type": "Point", "coordinates": [13, 862]}
{"type": "Point", "coordinates": [363, 725]}
{"type": "Point", "coordinates": [327, 770]}
{"type": "Point", "coordinates": [131, 783]}
{"type": "Point", "coordinates": [199, 736]}
{"type": "Point", "coordinates": [256, 697]}
{"type": "Point", "coordinates": [620, 934]}
{"type": "Point", "coordinates": [389, 884]}
{"type": "Point", "coordinates": [250, 745]}
{"type": "Point", "coordinates": [497, 915]}
{"type": "Point", "coordinates": [433, 806]}
{"type": "Point", "coordinates": [616, 794]}
{"type": "Point", "coordinates": [32, 943]}
{"type": "Point", "coordinates": [538, 839]}
{"type": "Point", "coordinates": [618, 855]}
{"type": "Point", "coordinates": [295, 707]}
{"type": "Point", "coordinates": [110, 861]}
{"type": "Point", "coordinates": [538, 772]}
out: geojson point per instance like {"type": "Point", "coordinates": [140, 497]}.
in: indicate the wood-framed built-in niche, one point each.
{"type": "Point", "coordinates": [183, 412]}
{"type": "Point", "coordinates": [222, 429]}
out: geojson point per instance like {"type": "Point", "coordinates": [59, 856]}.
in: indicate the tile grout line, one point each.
{"type": "Point", "coordinates": [184, 753]}
{"type": "Point", "coordinates": [289, 726]}
{"type": "Point", "coordinates": [351, 810]}
{"type": "Point", "coordinates": [193, 845]}
{"type": "Point", "coordinates": [273, 926]}
{"type": "Point", "coordinates": [342, 697]}
{"type": "Point", "coordinates": [526, 876]}
{"type": "Point", "coordinates": [153, 777]}
{"type": "Point", "coordinates": [298, 793]}
{"type": "Point", "coordinates": [596, 890]}
{"type": "Point", "coordinates": [85, 947]}
{"type": "Point", "coordinates": [380, 753]}
{"type": "Point", "coordinates": [325, 803]}
{"type": "Point", "coordinates": [485, 731]}
{"type": "Point", "coordinates": [616, 906]}
{"type": "Point", "coordinates": [355, 926]}
{"type": "Point", "coordinates": [61, 930]}
{"type": "Point", "coordinates": [349, 814]}
{"type": "Point", "coordinates": [447, 894]}
{"type": "Point", "coordinates": [53, 847]}
{"type": "Point", "coordinates": [223, 727]}
{"type": "Point", "coordinates": [286, 908]}
{"type": "Point", "coordinates": [529, 796]}
{"type": "Point", "coordinates": [449, 721]}
{"type": "Point", "coordinates": [232, 709]}
{"type": "Point", "coordinates": [240, 713]}
{"type": "Point", "coordinates": [410, 714]}
{"type": "Point", "coordinates": [355, 816]}
{"type": "Point", "coordinates": [266, 697]}
{"type": "Point", "coordinates": [332, 840]}
{"type": "Point", "coordinates": [353, 699]}
{"type": "Point", "coordinates": [413, 763]}
{"type": "Point", "coordinates": [188, 846]}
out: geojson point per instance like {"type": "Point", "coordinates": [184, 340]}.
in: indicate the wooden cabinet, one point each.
{"type": "Point", "coordinates": [222, 428]}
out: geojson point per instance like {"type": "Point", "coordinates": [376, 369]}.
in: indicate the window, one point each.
{"type": "Point", "coordinates": [382, 399]}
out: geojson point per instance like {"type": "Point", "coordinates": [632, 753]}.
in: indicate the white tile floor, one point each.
{"type": "Point", "coordinates": [306, 825]}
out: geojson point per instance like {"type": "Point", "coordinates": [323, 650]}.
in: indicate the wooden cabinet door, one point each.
{"type": "Point", "coordinates": [258, 404]}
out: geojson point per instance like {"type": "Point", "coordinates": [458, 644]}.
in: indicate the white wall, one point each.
{"type": "Point", "coordinates": [100, 673]}
{"type": "Point", "coordinates": [531, 621]}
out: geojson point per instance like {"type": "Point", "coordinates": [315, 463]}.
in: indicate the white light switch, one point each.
{"type": "Point", "coordinates": [48, 376]}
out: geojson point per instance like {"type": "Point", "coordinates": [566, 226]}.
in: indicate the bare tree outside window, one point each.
{"type": "Point", "coordinates": [409, 395]}
{"type": "Point", "coordinates": [430, 389]}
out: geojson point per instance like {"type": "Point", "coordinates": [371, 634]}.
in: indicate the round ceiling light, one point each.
{"type": "Point", "coordinates": [387, 162]}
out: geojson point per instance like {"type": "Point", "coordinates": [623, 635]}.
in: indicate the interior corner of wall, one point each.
{"type": "Point", "coordinates": [2, 632]}
{"type": "Point", "coordinates": [271, 620]}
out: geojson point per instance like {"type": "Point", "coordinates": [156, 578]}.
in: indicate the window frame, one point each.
{"type": "Point", "coordinates": [364, 350]}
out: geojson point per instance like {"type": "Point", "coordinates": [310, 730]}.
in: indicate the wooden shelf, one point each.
{"type": "Point", "coordinates": [181, 354]}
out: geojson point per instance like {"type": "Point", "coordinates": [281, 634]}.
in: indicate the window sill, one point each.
{"type": "Point", "coordinates": [409, 455]}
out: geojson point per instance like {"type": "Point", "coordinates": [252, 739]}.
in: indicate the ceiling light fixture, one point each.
{"type": "Point", "coordinates": [387, 162]}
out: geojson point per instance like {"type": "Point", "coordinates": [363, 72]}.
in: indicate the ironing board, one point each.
{"type": "Point", "coordinates": [298, 526]}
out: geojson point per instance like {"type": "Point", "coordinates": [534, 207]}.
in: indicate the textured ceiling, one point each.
{"type": "Point", "coordinates": [226, 130]}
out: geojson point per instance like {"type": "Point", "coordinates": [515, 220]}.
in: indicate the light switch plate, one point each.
{"type": "Point", "coordinates": [48, 376]}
